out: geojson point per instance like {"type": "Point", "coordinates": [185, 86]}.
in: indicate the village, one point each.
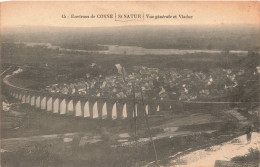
{"type": "Point", "coordinates": [165, 84]}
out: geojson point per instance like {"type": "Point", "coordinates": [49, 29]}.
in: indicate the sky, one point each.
{"type": "Point", "coordinates": [203, 13]}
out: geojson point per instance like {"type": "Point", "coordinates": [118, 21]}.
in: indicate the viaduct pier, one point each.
{"type": "Point", "coordinates": [107, 108]}
{"type": "Point", "coordinates": [88, 106]}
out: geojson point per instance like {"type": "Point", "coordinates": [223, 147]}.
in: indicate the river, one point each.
{"type": "Point", "coordinates": [135, 50]}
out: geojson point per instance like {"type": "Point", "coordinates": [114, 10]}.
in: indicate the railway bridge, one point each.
{"type": "Point", "coordinates": [88, 106]}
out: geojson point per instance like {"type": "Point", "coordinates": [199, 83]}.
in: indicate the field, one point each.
{"type": "Point", "coordinates": [36, 138]}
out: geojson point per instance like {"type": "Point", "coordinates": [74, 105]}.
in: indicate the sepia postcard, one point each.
{"type": "Point", "coordinates": [130, 83]}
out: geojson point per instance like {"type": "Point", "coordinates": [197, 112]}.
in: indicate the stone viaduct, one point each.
{"type": "Point", "coordinates": [107, 108]}
{"type": "Point", "coordinates": [86, 106]}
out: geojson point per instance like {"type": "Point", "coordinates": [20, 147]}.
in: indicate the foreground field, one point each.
{"type": "Point", "coordinates": [35, 138]}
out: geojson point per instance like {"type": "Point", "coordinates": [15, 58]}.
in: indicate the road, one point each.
{"type": "Point", "coordinates": [225, 151]}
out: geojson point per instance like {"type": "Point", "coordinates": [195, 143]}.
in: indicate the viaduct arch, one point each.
{"type": "Point", "coordinates": [87, 106]}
